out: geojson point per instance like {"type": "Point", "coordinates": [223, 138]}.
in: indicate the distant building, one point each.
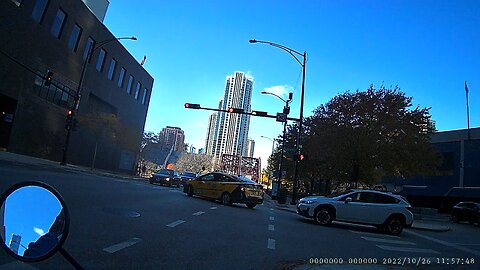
{"type": "Point", "coordinates": [201, 151]}
{"type": "Point", "coordinates": [56, 36]}
{"type": "Point", "coordinates": [172, 137]}
{"type": "Point", "coordinates": [250, 147]}
{"type": "Point", "coordinates": [15, 242]}
{"type": "Point", "coordinates": [228, 132]}
{"type": "Point", "coordinates": [455, 179]}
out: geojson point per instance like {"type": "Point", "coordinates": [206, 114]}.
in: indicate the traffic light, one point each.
{"type": "Point", "coordinates": [192, 106]}
{"type": "Point", "coordinates": [286, 110]}
{"type": "Point", "coordinates": [236, 110]}
{"type": "Point", "coordinates": [49, 78]}
{"type": "Point", "coordinates": [259, 113]}
{"type": "Point", "coordinates": [69, 119]}
{"type": "Point", "coordinates": [298, 157]}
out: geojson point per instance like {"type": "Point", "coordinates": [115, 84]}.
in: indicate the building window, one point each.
{"type": "Point", "coordinates": [144, 97]}
{"type": "Point", "coordinates": [17, 2]}
{"type": "Point", "coordinates": [101, 60]}
{"type": "Point", "coordinates": [39, 10]}
{"type": "Point", "coordinates": [129, 84]}
{"type": "Point", "coordinates": [58, 23]}
{"type": "Point", "coordinates": [137, 90]}
{"type": "Point", "coordinates": [121, 77]}
{"type": "Point", "coordinates": [89, 44]}
{"type": "Point", "coordinates": [74, 37]}
{"type": "Point", "coordinates": [111, 69]}
{"type": "Point", "coordinates": [56, 93]}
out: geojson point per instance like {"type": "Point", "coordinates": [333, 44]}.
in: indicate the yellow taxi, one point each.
{"type": "Point", "coordinates": [226, 188]}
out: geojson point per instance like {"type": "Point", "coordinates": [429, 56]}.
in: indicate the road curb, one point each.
{"type": "Point", "coordinates": [438, 229]}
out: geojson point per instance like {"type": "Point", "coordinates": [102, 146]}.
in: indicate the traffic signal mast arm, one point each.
{"type": "Point", "coordinates": [235, 110]}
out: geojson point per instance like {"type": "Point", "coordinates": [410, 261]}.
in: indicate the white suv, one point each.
{"type": "Point", "coordinates": [388, 212]}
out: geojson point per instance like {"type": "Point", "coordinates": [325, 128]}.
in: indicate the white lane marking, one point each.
{"type": "Point", "coordinates": [213, 207]}
{"type": "Point", "coordinates": [198, 213]}
{"type": "Point", "coordinates": [175, 223]}
{"type": "Point", "coordinates": [122, 245]}
{"type": "Point", "coordinates": [271, 243]}
{"type": "Point", "coordinates": [375, 234]}
{"type": "Point", "coordinates": [271, 227]}
{"type": "Point", "coordinates": [383, 240]}
{"type": "Point", "coordinates": [404, 249]}
{"type": "Point", "coordinates": [464, 249]}
{"type": "Point", "coordinates": [272, 218]}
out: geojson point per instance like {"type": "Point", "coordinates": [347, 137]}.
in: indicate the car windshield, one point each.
{"type": "Point", "coordinates": [166, 171]}
{"type": "Point", "coordinates": [181, 134]}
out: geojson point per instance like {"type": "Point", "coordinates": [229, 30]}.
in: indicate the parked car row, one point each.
{"type": "Point", "coordinates": [466, 211]}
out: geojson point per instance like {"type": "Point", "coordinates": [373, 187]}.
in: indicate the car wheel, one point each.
{"type": "Point", "coordinates": [394, 226]}
{"type": "Point", "coordinates": [251, 205]}
{"type": "Point", "coordinates": [455, 218]}
{"type": "Point", "coordinates": [323, 216]}
{"type": "Point", "coordinates": [190, 191]}
{"type": "Point", "coordinates": [226, 199]}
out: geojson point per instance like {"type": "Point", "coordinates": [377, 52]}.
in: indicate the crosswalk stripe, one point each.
{"type": "Point", "coordinates": [389, 241]}
{"type": "Point", "coordinates": [404, 249]}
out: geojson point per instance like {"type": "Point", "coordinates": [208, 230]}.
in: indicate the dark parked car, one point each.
{"type": "Point", "coordinates": [466, 211]}
{"type": "Point", "coordinates": [166, 177]}
{"type": "Point", "coordinates": [185, 176]}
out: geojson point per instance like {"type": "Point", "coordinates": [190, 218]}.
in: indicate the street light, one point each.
{"type": "Point", "coordinates": [286, 110]}
{"type": "Point", "coordinates": [270, 139]}
{"type": "Point", "coordinates": [91, 49]}
{"type": "Point", "coordinates": [294, 54]}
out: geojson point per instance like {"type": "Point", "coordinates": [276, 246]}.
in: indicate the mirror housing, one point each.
{"type": "Point", "coordinates": [348, 200]}
{"type": "Point", "coordinates": [35, 213]}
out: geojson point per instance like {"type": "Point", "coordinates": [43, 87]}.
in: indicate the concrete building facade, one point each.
{"type": "Point", "coordinates": [54, 36]}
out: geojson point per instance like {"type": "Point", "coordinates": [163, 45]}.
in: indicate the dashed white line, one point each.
{"type": "Point", "coordinates": [271, 244]}
{"type": "Point", "coordinates": [389, 241]}
{"type": "Point", "coordinates": [198, 213]}
{"type": "Point", "coordinates": [213, 207]}
{"type": "Point", "coordinates": [175, 223]}
{"type": "Point", "coordinates": [403, 249]}
{"type": "Point", "coordinates": [122, 245]}
{"type": "Point", "coordinates": [272, 218]}
{"type": "Point", "coordinates": [271, 227]}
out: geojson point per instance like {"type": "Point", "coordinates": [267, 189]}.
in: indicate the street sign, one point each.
{"type": "Point", "coordinates": [281, 117]}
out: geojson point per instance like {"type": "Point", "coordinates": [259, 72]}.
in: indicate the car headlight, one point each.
{"type": "Point", "coordinates": [307, 202]}
{"type": "Point", "coordinates": [167, 179]}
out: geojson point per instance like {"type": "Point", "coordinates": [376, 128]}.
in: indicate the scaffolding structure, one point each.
{"type": "Point", "coordinates": [240, 165]}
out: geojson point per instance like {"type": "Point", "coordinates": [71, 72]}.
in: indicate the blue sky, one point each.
{"type": "Point", "coordinates": [30, 212]}
{"type": "Point", "coordinates": [428, 48]}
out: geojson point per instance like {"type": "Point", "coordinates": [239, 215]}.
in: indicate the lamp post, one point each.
{"type": "Point", "coordinates": [286, 110]}
{"type": "Point", "coordinates": [294, 54]}
{"type": "Point", "coordinates": [91, 49]}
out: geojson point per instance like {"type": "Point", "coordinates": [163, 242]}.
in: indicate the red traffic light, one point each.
{"type": "Point", "coordinates": [192, 106]}
{"type": "Point", "coordinates": [69, 113]}
{"type": "Point", "coordinates": [49, 78]}
{"type": "Point", "coordinates": [301, 157]}
{"type": "Point", "coordinates": [235, 110]}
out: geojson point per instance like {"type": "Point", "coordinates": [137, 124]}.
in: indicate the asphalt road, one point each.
{"type": "Point", "coordinates": [126, 224]}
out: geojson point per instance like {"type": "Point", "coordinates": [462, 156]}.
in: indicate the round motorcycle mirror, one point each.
{"type": "Point", "coordinates": [34, 221]}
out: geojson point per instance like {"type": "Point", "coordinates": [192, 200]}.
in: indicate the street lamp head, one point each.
{"type": "Point", "coordinates": [133, 38]}
{"type": "Point", "coordinates": [264, 92]}
{"type": "Point", "coordinates": [252, 41]}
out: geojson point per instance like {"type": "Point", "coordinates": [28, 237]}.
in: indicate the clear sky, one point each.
{"type": "Point", "coordinates": [428, 48]}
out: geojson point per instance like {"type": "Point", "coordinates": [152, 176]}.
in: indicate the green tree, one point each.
{"type": "Point", "coordinates": [363, 136]}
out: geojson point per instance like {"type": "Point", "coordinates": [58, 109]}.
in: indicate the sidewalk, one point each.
{"type": "Point", "coordinates": [38, 163]}
{"type": "Point", "coordinates": [425, 225]}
